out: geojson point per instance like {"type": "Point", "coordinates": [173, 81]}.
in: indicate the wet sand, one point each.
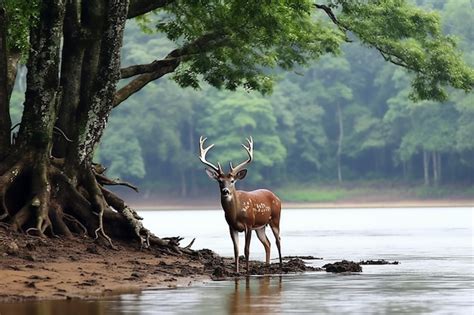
{"type": "Point", "coordinates": [34, 268]}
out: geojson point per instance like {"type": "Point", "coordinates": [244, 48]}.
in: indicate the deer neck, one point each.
{"type": "Point", "coordinates": [230, 206]}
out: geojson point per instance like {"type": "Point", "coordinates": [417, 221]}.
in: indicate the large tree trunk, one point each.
{"type": "Point", "coordinates": [5, 121]}
{"type": "Point", "coordinates": [48, 182]}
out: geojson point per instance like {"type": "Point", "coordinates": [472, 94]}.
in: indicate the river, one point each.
{"type": "Point", "coordinates": [433, 245]}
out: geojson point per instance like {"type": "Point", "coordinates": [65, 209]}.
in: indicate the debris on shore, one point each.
{"type": "Point", "coordinates": [378, 262]}
{"type": "Point", "coordinates": [343, 266]}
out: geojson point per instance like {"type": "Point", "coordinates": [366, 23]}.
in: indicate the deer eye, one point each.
{"type": "Point", "coordinates": [232, 181]}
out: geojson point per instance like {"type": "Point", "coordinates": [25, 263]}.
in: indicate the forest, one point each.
{"type": "Point", "coordinates": [345, 118]}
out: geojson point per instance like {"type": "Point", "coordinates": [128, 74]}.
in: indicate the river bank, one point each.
{"type": "Point", "coordinates": [164, 204]}
{"type": "Point", "coordinates": [33, 268]}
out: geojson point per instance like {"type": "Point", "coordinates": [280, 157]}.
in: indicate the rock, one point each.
{"type": "Point", "coordinates": [302, 257]}
{"type": "Point", "coordinates": [11, 248]}
{"type": "Point", "coordinates": [219, 272]}
{"type": "Point", "coordinates": [343, 266]}
{"type": "Point", "coordinates": [378, 262]}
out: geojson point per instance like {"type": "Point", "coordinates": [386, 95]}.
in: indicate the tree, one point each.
{"type": "Point", "coordinates": [48, 181]}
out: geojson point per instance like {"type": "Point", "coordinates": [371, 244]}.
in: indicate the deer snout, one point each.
{"type": "Point", "coordinates": [225, 191]}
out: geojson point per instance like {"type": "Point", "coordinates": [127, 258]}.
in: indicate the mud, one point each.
{"type": "Point", "coordinates": [52, 268]}
{"type": "Point", "coordinates": [343, 266]}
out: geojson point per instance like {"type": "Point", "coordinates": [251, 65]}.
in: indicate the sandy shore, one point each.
{"type": "Point", "coordinates": [34, 268]}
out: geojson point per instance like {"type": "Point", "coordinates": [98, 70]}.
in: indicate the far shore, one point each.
{"type": "Point", "coordinates": [207, 205]}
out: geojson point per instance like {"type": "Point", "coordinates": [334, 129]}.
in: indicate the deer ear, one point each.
{"type": "Point", "coordinates": [212, 174]}
{"type": "Point", "coordinates": [241, 174]}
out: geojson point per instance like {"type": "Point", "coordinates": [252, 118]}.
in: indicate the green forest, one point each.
{"type": "Point", "coordinates": [345, 119]}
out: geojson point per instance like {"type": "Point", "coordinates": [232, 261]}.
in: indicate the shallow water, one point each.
{"type": "Point", "coordinates": [434, 246]}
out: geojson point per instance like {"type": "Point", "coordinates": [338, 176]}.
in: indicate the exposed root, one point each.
{"type": "Point", "coordinates": [56, 215]}
{"type": "Point", "coordinates": [103, 180]}
{"type": "Point", "coordinates": [69, 204]}
{"type": "Point", "coordinates": [6, 226]}
{"type": "Point", "coordinates": [75, 221]}
{"type": "Point", "coordinates": [21, 217]}
{"type": "Point", "coordinates": [6, 180]}
{"type": "Point", "coordinates": [190, 244]}
{"type": "Point", "coordinates": [99, 203]}
{"type": "Point", "coordinates": [130, 216]}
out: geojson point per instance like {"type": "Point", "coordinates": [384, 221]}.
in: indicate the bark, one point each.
{"type": "Point", "coordinates": [43, 94]}
{"type": "Point", "coordinates": [5, 121]}
{"type": "Point", "coordinates": [71, 73]}
{"type": "Point", "coordinates": [97, 106]}
{"type": "Point", "coordinates": [140, 7]}
{"type": "Point", "coordinates": [426, 168]}
{"type": "Point", "coordinates": [339, 142]}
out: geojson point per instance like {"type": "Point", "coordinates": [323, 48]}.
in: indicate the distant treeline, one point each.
{"type": "Point", "coordinates": [343, 118]}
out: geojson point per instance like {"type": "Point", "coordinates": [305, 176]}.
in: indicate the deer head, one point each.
{"type": "Point", "coordinates": [226, 180]}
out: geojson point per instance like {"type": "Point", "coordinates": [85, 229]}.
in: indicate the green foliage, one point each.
{"type": "Point", "coordinates": [239, 41]}
{"type": "Point", "coordinates": [298, 193]}
{"type": "Point", "coordinates": [295, 129]}
{"type": "Point", "coordinates": [21, 15]}
{"type": "Point", "coordinates": [122, 160]}
{"type": "Point", "coordinates": [239, 115]}
{"type": "Point", "coordinates": [411, 37]}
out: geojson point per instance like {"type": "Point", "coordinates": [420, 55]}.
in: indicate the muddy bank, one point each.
{"type": "Point", "coordinates": [38, 268]}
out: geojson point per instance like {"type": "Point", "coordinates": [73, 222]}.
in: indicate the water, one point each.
{"type": "Point", "coordinates": [434, 246]}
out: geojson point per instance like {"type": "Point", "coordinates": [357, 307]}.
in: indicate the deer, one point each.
{"type": "Point", "coordinates": [245, 211]}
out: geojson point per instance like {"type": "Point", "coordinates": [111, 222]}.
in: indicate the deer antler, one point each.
{"type": "Point", "coordinates": [249, 150]}
{"type": "Point", "coordinates": [202, 155]}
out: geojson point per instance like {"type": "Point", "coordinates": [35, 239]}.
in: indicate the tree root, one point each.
{"type": "Point", "coordinates": [56, 203]}
{"type": "Point", "coordinates": [103, 180]}
{"type": "Point", "coordinates": [73, 220]}
{"type": "Point", "coordinates": [6, 180]}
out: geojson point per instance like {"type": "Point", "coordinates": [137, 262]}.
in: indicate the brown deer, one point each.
{"type": "Point", "coordinates": [245, 210]}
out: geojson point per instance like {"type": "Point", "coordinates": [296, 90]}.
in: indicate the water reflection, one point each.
{"type": "Point", "coordinates": [70, 307]}
{"type": "Point", "coordinates": [262, 296]}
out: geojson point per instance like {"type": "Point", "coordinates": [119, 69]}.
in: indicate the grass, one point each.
{"type": "Point", "coordinates": [318, 193]}
{"type": "Point", "coordinates": [443, 192]}
{"type": "Point", "coordinates": [370, 191]}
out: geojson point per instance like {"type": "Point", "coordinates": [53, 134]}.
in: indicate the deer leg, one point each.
{"type": "Point", "coordinates": [235, 240]}
{"type": "Point", "coordinates": [262, 236]}
{"type": "Point", "coordinates": [276, 233]}
{"type": "Point", "coordinates": [248, 237]}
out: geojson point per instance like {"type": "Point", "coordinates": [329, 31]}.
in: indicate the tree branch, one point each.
{"type": "Point", "coordinates": [146, 68]}
{"type": "Point", "coordinates": [334, 19]}
{"type": "Point", "coordinates": [158, 68]}
{"type": "Point", "coordinates": [140, 7]}
{"type": "Point", "coordinates": [387, 55]}
{"type": "Point", "coordinates": [138, 83]}
{"type": "Point", "coordinates": [104, 180]}
{"type": "Point", "coordinates": [331, 15]}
